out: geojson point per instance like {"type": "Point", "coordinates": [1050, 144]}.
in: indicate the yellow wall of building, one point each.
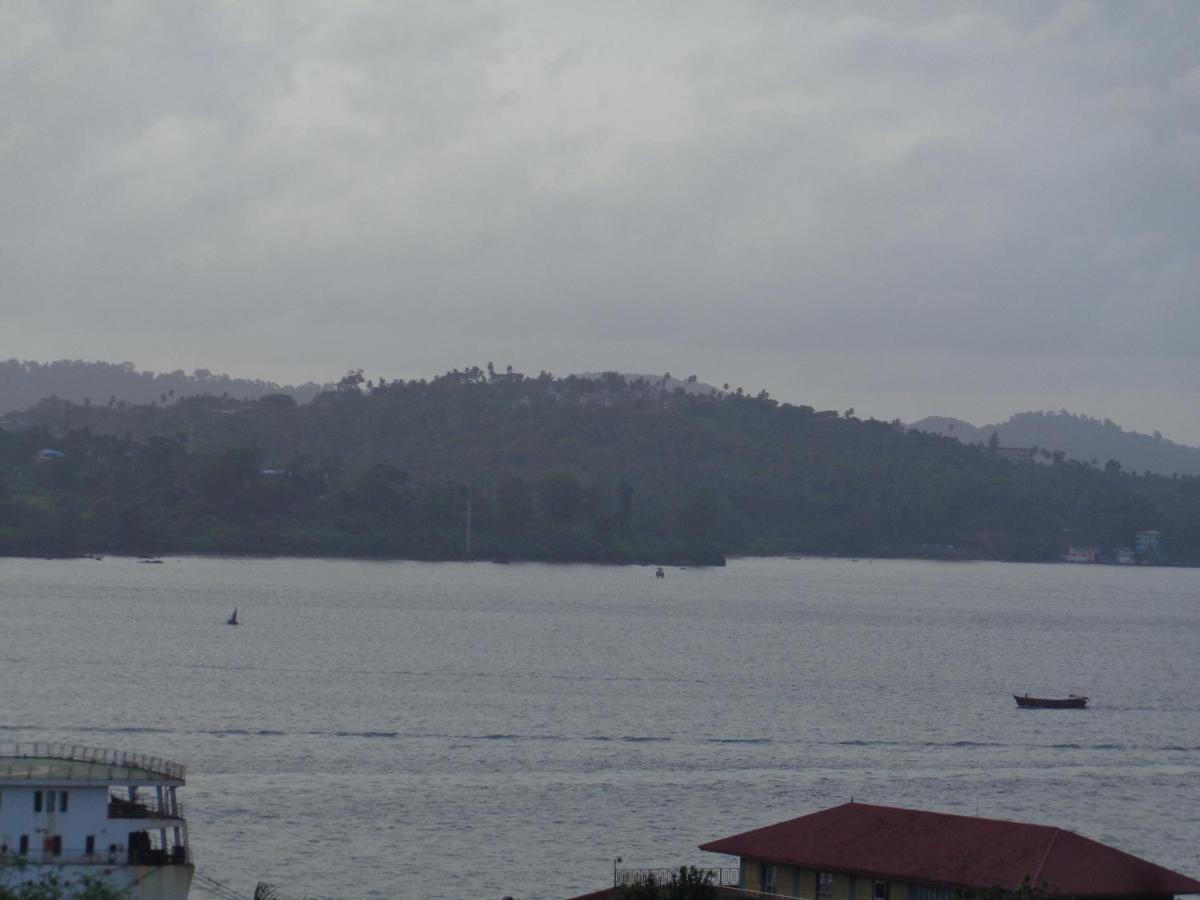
{"type": "Point", "coordinates": [791, 881]}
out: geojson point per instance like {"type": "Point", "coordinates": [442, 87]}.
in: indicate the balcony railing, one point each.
{"type": "Point", "coordinates": [175, 856]}
{"type": "Point", "coordinates": [724, 878]}
{"type": "Point", "coordinates": [31, 750]}
{"type": "Point", "coordinates": [119, 808]}
{"type": "Point", "coordinates": [721, 876]}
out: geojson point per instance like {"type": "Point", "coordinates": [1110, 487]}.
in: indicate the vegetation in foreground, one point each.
{"type": "Point", "coordinates": [48, 886]}
{"type": "Point", "coordinates": [689, 883]}
{"type": "Point", "coordinates": [550, 469]}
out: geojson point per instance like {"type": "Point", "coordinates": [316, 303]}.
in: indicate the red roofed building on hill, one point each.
{"type": "Point", "coordinates": [858, 851]}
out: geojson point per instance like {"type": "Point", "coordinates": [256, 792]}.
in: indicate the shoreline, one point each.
{"type": "Point", "coordinates": [645, 562]}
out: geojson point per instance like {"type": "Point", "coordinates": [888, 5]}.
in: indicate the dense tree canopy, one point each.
{"type": "Point", "coordinates": [550, 468]}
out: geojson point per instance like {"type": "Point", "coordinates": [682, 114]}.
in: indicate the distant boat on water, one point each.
{"type": "Point", "coordinates": [232, 620]}
{"type": "Point", "coordinates": [1074, 701]}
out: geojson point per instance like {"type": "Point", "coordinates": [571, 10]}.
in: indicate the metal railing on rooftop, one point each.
{"type": "Point", "coordinates": [58, 750]}
{"type": "Point", "coordinates": [721, 876]}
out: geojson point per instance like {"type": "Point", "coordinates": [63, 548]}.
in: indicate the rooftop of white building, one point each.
{"type": "Point", "coordinates": [75, 764]}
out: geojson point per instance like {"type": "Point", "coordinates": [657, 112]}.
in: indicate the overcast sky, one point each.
{"type": "Point", "coordinates": [908, 209]}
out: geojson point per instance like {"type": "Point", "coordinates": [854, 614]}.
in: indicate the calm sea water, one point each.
{"type": "Point", "coordinates": [473, 730]}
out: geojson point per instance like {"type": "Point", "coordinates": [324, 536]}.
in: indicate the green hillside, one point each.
{"type": "Point", "coordinates": [555, 469]}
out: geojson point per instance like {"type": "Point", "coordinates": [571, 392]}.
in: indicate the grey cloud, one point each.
{"type": "Point", "coordinates": [817, 199]}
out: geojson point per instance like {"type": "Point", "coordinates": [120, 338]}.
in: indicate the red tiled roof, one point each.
{"type": "Point", "coordinates": [952, 851]}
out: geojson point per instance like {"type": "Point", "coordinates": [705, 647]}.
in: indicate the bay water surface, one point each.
{"type": "Point", "coordinates": [402, 729]}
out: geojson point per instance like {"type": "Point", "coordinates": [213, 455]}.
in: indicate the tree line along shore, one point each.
{"type": "Point", "coordinates": [504, 466]}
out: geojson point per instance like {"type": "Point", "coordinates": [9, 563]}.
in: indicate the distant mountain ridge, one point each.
{"type": "Point", "coordinates": [24, 383]}
{"type": "Point", "coordinates": [1079, 437]}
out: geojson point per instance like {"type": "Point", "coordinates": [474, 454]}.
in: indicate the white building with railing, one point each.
{"type": "Point", "coordinates": [75, 812]}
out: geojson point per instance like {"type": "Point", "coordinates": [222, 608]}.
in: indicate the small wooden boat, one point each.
{"type": "Point", "coordinates": [1074, 701]}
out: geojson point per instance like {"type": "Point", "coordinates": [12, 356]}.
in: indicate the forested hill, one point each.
{"type": "Point", "coordinates": [569, 469]}
{"type": "Point", "coordinates": [25, 382]}
{"type": "Point", "coordinates": [1078, 437]}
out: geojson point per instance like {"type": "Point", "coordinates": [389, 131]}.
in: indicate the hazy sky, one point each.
{"type": "Point", "coordinates": [909, 209]}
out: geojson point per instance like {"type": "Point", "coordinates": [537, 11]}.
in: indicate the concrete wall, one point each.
{"type": "Point", "coordinates": [86, 814]}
